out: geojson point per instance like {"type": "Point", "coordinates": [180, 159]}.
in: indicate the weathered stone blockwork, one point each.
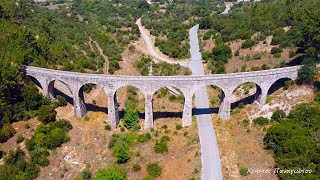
{"type": "Point", "coordinates": [150, 84]}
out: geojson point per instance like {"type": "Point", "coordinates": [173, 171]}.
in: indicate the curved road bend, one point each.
{"type": "Point", "coordinates": [210, 158]}
{"type": "Point", "coordinates": [151, 48]}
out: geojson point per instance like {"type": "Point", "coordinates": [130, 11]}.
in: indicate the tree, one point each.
{"type": "Point", "coordinates": [46, 114]}
{"type": "Point", "coordinates": [112, 172]}
{"type": "Point", "coordinates": [154, 169]}
{"type": "Point", "coordinates": [278, 115]}
{"type": "Point", "coordinates": [130, 119]}
{"type": "Point", "coordinates": [308, 71]}
{"type": "Point", "coordinates": [221, 52]}
{"type": "Point", "coordinates": [144, 5]}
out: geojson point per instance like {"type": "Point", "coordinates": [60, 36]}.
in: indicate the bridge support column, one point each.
{"type": "Point", "coordinates": [78, 103]}
{"type": "Point", "coordinates": [50, 91]}
{"type": "Point", "coordinates": [148, 122]}
{"type": "Point", "coordinates": [113, 111]}
{"type": "Point", "coordinates": [263, 97]}
{"type": "Point", "coordinates": [187, 111]}
{"type": "Point", "coordinates": [225, 108]}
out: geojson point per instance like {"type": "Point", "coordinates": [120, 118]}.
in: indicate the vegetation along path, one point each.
{"type": "Point", "coordinates": [210, 158]}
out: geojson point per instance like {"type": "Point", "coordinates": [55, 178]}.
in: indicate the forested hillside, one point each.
{"type": "Point", "coordinates": [170, 22]}
{"type": "Point", "coordinates": [265, 19]}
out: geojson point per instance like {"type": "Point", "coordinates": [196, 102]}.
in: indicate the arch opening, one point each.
{"type": "Point", "coordinates": [59, 88]}
{"type": "Point", "coordinates": [279, 84]}
{"type": "Point", "coordinates": [246, 93]}
{"type": "Point", "coordinates": [168, 105]}
{"type": "Point", "coordinates": [94, 97]}
{"type": "Point", "coordinates": [215, 97]}
{"type": "Point", "coordinates": [35, 81]}
{"type": "Point", "coordinates": [130, 98]}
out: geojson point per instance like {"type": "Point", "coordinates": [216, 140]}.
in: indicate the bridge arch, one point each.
{"type": "Point", "coordinates": [162, 96]}
{"type": "Point", "coordinates": [94, 97]}
{"type": "Point", "coordinates": [60, 87]}
{"type": "Point", "coordinates": [279, 83]}
{"type": "Point", "coordinates": [245, 93]}
{"type": "Point", "coordinates": [36, 81]}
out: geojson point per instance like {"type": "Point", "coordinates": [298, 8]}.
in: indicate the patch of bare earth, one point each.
{"type": "Point", "coordinates": [241, 145]}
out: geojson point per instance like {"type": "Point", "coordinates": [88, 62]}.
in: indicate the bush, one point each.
{"type": "Point", "coordinates": [162, 145]}
{"type": "Point", "coordinates": [136, 167]}
{"type": "Point", "coordinates": [148, 177]}
{"type": "Point", "coordinates": [154, 169]}
{"type": "Point", "coordinates": [84, 175]}
{"type": "Point", "coordinates": [46, 114]}
{"type": "Point", "coordinates": [130, 120]}
{"type": "Point", "coordinates": [19, 139]}
{"type": "Point", "coordinates": [112, 172]}
{"type": "Point", "coordinates": [107, 127]}
{"type": "Point", "coordinates": [307, 72]}
{"type": "Point", "coordinates": [317, 97]}
{"type": "Point", "coordinates": [261, 121]}
{"type": "Point", "coordinates": [248, 44]}
{"type": "Point", "coordinates": [6, 132]}
{"type": "Point", "coordinates": [244, 171]}
{"type": "Point", "coordinates": [144, 137]}
{"type": "Point", "coordinates": [276, 50]}
{"type": "Point", "coordinates": [278, 115]}
{"type": "Point", "coordinates": [26, 126]}
{"type": "Point", "coordinates": [178, 127]}
{"type": "Point", "coordinates": [221, 52]}
{"type": "Point", "coordinates": [61, 101]}
{"type": "Point", "coordinates": [121, 151]}
{"type": "Point", "coordinates": [287, 84]}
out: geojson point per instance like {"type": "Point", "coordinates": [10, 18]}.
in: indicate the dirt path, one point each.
{"type": "Point", "coordinates": [106, 61]}
{"type": "Point", "coordinates": [154, 51]}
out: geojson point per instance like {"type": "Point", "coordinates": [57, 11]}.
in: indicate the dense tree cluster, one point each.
{"type": "Point", "coordinates": [295, 141]}
{"type": "Point", "coordinates": [171, 23]}
{"type": "Point", "coordinates": [46, 137]}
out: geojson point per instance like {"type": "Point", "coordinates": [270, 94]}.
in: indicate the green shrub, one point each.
{"type": "Point", "coordinates": [85, 175]}
{"type": "Point", "coordinates": [276, 50]}
{"type": "Point", "coordinates": [244, 171]}
{"type": "Point", "coordinates": [154, 169]}
{"type": "Point", "coordinates": [121, 151]}
{"type": "Point", "coordinates": [261, 121]}
{"type": "Point", "coordinates": [26, 126]}
{"type": "Point", "coordinates": [162, 145]}
{"type": "Point", "coordinates": [94, 102]}
{"type": "Point", "coordinates": [245, 122]}
{"type": "Point", "coordinates": [307, 71]}
{"type": "Point", "coordinates": [144, 137]}
{"type": "Point", "coordinates": [107, 127]}
{"type": "Point", "coordinates": [46, 114]}
{"type": "Point", "coordinates": [178, 127]}
{"type": "Point", "coordinates": [287, 84]}
{"type": "Point", "coordinates": [148, 177]}
{"type": "Point", "coordinates": [112, 172]}
{"type": "Point", "coordinates": [6, 132]}
{"type": "Point", "coordinates": [248, 44]}
{"type": "Point", "coordinates": [136, 167]}
{"type": "Point", "coordinates": [19, 139]}
{"type": "Point", "coordinates": [317, 97]}
{"type": "Point", "coordinates": [164, 126]}
{"type": "Point", "coordinates": [131, 119]}
{"type": "Point", "coordinates": [61, 101]}
{"type": "Point", "coordinates": [278, 115]}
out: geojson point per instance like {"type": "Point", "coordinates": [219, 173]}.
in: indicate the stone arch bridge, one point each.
{"type": "Point", "coordinates": [188, 85]}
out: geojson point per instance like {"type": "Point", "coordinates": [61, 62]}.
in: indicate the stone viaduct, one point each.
{"type": "Point", "coordinates": [148, 85]}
